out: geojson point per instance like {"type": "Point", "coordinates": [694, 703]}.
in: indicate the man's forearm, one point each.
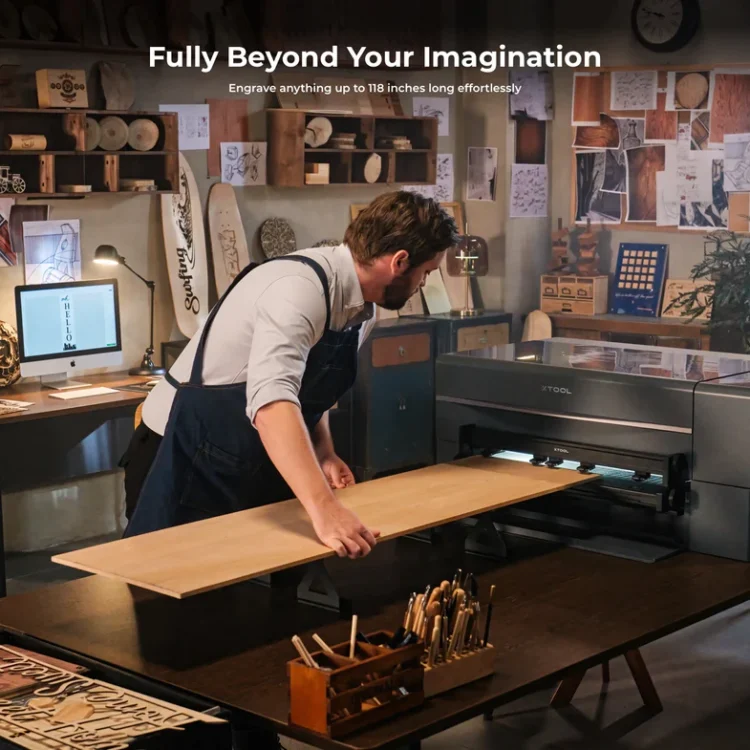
{"type": "Point", "coordinates": [287, 442]}
{"type": "Point", "coordinates": [322, 438]}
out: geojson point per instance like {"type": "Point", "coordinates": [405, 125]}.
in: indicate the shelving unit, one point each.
{"type": "Point", "coordinates": [288, 153]}
{"type": "Point", "coordinates": [66, 161]}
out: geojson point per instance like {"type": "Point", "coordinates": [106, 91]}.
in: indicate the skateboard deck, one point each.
{"type": "Point", "coordinates": [227, 236]}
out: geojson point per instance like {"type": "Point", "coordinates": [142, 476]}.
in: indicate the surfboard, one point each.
{"type": "Point", "coordinates": [185, 247]}
{"type": "Point", "coordinates": [227, 236]}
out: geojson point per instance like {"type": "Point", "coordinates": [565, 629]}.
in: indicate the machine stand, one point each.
{"type": "Point", "coordinates": [318, 589]}
{"type": "Point", "coordinates": [485, 540]}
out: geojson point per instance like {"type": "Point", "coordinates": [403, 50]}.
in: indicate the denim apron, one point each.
{"type": "Point", "coordinates": [211, 460]}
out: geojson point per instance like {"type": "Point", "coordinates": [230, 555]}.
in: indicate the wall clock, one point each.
{"type": "Point", "coordinates": [665, 25]}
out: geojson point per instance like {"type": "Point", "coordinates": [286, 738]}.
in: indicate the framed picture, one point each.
{"type": "Point", "coordinates": [675, 288]}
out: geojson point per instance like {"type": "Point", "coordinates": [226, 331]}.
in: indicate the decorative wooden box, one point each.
{"type": "Point", "coordinates": [353, 695]}
{"type": "Point", "coordinates": [460, 670]}
{"type": "Point", "coordinates": [580, 295]}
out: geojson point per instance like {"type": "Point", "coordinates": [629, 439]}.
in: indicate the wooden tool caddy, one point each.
{"type": "Point", "coordinates": [354, 695]}
{"type": "Point", "coordinates": [459, 670]}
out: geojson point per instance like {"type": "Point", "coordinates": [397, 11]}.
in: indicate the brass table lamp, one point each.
{"type": "Point", "coordinates": [469, 258]}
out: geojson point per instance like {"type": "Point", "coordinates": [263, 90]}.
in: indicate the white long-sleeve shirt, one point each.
{"type": "Point", "coordinates": [265, 328]}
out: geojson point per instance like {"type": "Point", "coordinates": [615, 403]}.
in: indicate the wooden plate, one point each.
{"type": "Point", "coordinates": [10, 21]}
{"type": "Point", "coordinates": [93, 134]}
{"type": "Point", "coordinates": [118, 86]}
{"type": "Point", "coordinates": [691, 90]}
{"type": "Point", "coordinates": [39, 24]}
{"type": "Point", "coordinates": [373, 168]}
{"type": "Point", "coordinates": [277, 238]}
{"type": "Point", "coordinates": [318, 131]}
{"type": "Point", "coordinates": [114, 133]}
{"type": "Point", "coordinates": [143, 135]}
{"type": "Point", "coordinates": [133, 31]}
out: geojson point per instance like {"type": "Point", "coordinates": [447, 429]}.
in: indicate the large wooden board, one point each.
{"type": "Point", "coordinates": [227, 236]}
{"type": "Point", "coordinates": [228, 123]}
{"type": "Point", "coordinates": [206, 555]}
{"type": "Point", "coordinates": [185, 247]}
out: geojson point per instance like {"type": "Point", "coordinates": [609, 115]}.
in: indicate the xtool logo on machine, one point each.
{"type": "Point", "coordinates": [556, 389]}
{"type": "Point", "coordinates": [186, 254]}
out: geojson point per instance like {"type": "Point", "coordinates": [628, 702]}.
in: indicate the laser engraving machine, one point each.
{"type": "Point", "coordinates": [668, 431]}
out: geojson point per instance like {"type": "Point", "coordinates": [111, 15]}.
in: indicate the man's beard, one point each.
{"type": "Point", "coordinates": [398, 293]}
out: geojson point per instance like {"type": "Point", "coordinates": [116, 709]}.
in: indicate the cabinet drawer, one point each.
{"type": "Point", "coordinates": [401, 350]}
{"type": "Point", "coordinates": [479, 337]}
{"type": "Point", "coordinates": [578, 333]}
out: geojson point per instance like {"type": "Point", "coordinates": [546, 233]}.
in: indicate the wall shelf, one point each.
{"type": "Point", "coordinates": [288, 154]}
{"type": "Point", "coordinates": [68, 162]}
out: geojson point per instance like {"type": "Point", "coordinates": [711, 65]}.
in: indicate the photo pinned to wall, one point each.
{"type": "Point", "coordinates": [481, 178]}
{"type": "Point", "coordinates": [529, 191]}
{"type": "Point", "coordinates": [631, 131]}
{"type": "Point", "coordinates": [591, 201]}
{"type": "Point", "coordinates": [688, 90]}
{"type": "Point", "coordinates": [700, 130]}
{"type": "Point", "coordinates": [604, 135]}
{"type": "Point", "coordinates": [587, 99]}
{"type": "Point", "coordinates": [52, 251]}
{"type": "Point", "coordinates": [661, 124]}
{"type": "Point", "coordinates": [531, 141]}
{"type": "Point", "coordinates": [8, 256]}
{"type": "Point", "coordinates": [434, 106]}
{"type": "Point", "coordinates": [243, 164]}
{"type": "Point", "coordinates": [729, 96]}
{"type": "Point", "coordinates": [737, 163]}
{"type": "Point", "coordinates": [633, 89]}
{"type": "Point", "coordinates": [708, 215]}
{"type": "Point", "coordinates": [442, 190]}
{"type": "Point", "coordinates": [535, 99]}
{"type": "Point", "coordinates": [193, 125]}
{"type": "Point", "coordinates": [643, 164]}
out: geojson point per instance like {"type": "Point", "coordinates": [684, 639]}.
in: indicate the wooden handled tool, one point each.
{"type": "Point", "coordinates": [459, 598]}
{"type": "Point", "coordinates": [434, 596]}
{"type": "Point", "coordinates": [457, 580]}
{"type": "Point", "coordinates": [435, 645]}
{"type": "Point", "coordinates": [353, 637]}
{"type": "Point", "coordinates": [445, 587]}
{"type": "Point", "coordinates": [304, 653]}
{"type": "Point", "coordinates": [323, 645]}
{"type": "Point", "coordinates": [409, 610]}
{"type": "Point", "coordinates": [489, 618]}
{"type": "Point", "coordinates": [433, 611]}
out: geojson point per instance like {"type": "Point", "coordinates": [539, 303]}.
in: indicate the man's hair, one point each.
{"type": "Point", "coordinates": [401, 221]}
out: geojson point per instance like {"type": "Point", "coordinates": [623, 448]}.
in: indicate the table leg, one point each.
{"type": "Point", "coordinates": [643, 681]}
{"type": "Point", "coordinates": [567, 689]}
{"type": "Point", "coordinates": [605, 672]}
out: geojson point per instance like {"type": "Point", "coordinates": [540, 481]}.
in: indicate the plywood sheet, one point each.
{"type": "Point", "coordinates": [206, 555]}
{"type": "Point", "coordinates": [228, 123]}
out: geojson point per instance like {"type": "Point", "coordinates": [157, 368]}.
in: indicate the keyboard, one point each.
{"type": "Point", "coordinates": [82, 393]}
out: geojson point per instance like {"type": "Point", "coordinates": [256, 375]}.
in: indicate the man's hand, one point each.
{"type": "Point", "coordinates": [341, 530]}
{"type": "Point", "coordinates": [338, 474]}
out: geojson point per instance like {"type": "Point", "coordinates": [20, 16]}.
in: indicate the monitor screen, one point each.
{"type": "Point", "coordinates": [60, 320]}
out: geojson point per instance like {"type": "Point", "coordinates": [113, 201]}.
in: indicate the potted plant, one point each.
{"type": "Point", "coordinates": [722, 289]}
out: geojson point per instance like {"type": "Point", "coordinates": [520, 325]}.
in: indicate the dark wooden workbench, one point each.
{"type": "Point", "coordinates": [555, 611]}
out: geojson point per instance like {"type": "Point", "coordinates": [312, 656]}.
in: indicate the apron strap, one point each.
{"type": "Point", "coordinates": [196, 374]}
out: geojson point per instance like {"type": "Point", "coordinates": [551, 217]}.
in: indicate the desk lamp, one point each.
{"type": "Point", "coordinates": [107, 255]}
{"type": "Point", "coordinates": [469, 258]}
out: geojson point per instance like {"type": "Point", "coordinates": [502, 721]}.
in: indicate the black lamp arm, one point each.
{"type": "Point", "coordinates": [152, 286]}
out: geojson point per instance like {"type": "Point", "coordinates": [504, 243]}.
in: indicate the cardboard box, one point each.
{"type": "Point", "coordinates": [577, 295]}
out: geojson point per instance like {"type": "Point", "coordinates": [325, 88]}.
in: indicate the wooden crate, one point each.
{"type": "Point", "coordinates": [355, 695]}
{"type": "Point", "coordinates": [460, 670]}
{"type": "Point", "coordinates": [578, 295]}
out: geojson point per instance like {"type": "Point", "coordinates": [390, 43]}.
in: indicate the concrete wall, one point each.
{"type": "Point", "coordinates": [605, 26]}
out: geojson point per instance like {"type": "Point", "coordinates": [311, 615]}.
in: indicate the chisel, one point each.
{"type": "Point", "coordinates": [353, 637]}
{"type": "Point", "coordinates": [409, 610]}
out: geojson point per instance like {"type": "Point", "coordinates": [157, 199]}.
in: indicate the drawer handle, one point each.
{"type": "Point", "coordinates": [401, 351]}
{"type": "Point", "coordinates": [402, 404]}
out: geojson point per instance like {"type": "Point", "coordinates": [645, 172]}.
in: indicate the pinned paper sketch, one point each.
{"type": "Point", "coordinates": [667, 205]}
{"type": "Point", "coordinates": [52, 251]}
{"type": "Point", "coordinates": [442, 190]}
{"type": "Point", "coordinates": [481, 181]}
{"type": "Point", "coordinates": [712, 214]}
{"type": "Point", "coordinates": [243, 163]}
{"type": "Point", "coordinates": [439, 107]}
{"type": "Point", "coordinates": [688, 90]}
{"type": "Point", "coordinates": [529, 191]}
{"type": "Point", "coordinates": [592, 202]}
{"type": "Point", "coordinates": [643, 164]}
{"type": "Point", "coordinates": [7, 256]}
{"type": "Point", "coordinates": [633, 89]}
{"type": "Point", "coordinates": [737, 163]}
{"type": "Point", "coordinates": [631, 131]}
{"type": "Point", "coordinates": [700, 130]}
{"type": "Point", "coordinates": [535, 98]}
{"type": "Point", "coordinates": [193, 125]}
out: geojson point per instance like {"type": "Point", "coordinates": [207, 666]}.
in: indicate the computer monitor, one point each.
{"type": "Point", "coordinates": [68, 327]}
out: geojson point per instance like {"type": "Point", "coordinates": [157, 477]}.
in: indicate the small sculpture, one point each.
{"type": "Point", "coordinates": [587, 263]}
{"type": "Point", "coordinates": [10, 181]}
{"type": "Point", "coordinates": [10, 366]}
{"type": "Point", "coordinates": [559, 263]}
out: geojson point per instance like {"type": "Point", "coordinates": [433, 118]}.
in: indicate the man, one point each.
{"type": "Point", "coordinates": [241, 420]}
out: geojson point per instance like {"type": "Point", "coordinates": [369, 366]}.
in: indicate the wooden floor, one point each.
{"type": "Point", "coordinates": [555, 612]}
{"type": "Point", "coordinates": [195, 558]}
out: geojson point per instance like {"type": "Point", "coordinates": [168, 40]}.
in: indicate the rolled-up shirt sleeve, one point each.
{"type": "Point", "coordinates": [290, 318]}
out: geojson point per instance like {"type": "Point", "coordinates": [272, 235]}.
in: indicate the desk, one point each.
{"type": "Point", "coordinates": [555, 613]}
{"type": "Point", "coordinates": [56, 440]}
{"type": "Point", "coordinates": [632, 329]}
